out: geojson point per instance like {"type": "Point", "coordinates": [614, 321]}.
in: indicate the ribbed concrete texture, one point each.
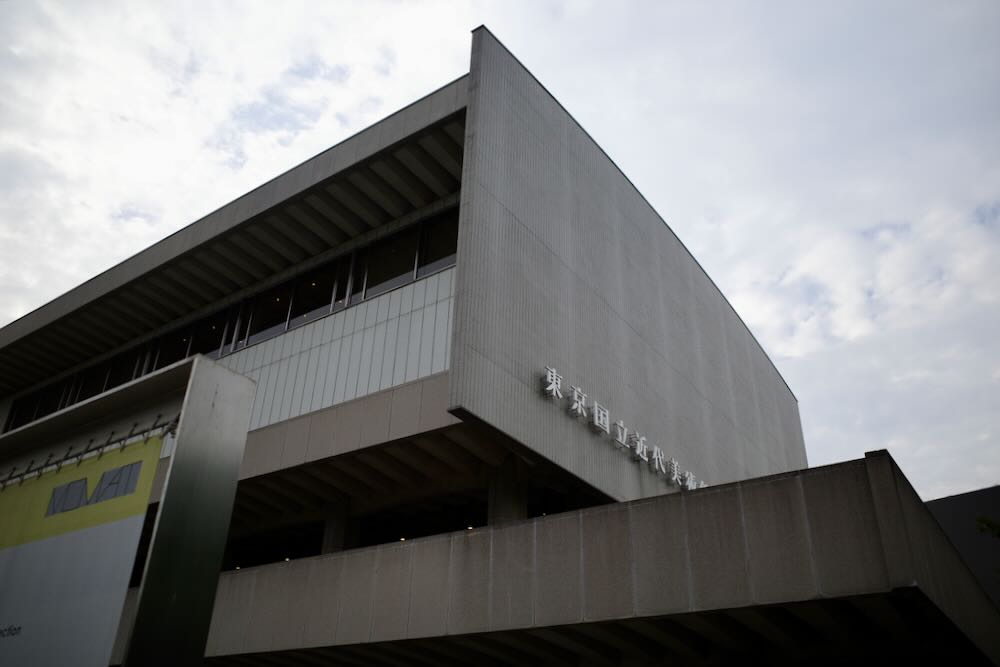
{"type": "Point", "coordinates": [562, 263]}
{"type": "Point", "coordinates": [395, 338]}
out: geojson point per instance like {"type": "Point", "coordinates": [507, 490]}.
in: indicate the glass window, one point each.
{"type": "Point", "coordinates": [49, 399]}
{"type": "Point", "coordinates": [358, 276]}
{"type": "Point", "coordinates": [240, 319]}
{"type": "Point", "coordinates": [270, 314]}
{"type": "Point", "coordinates": [122, 368]}
{"type": "Point", "coordinates": [92, 381]}
{"type": "Point", "coordinates": [172, 347]}
{"type": "Point", "coordinates": [342, 272]}
{"type": "Point", "coordinates": [22, 411]}
{"type": "Point", "coordinates": [391, 261]}
{"type": "Point", "coordinates": [207, 337]}
{"type": "Point", "coordinates": [439, 243]}
{"type": "Point", "coordinates": [313, 294]}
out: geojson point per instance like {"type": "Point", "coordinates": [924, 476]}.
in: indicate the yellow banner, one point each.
{"type": "Point", "coordinates": [98, 490]}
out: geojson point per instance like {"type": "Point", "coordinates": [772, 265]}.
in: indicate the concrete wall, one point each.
{"type": "Point", "coordinates": [844, 530]}
{"type": "Point", "coordinates": [399, 412]}
{"type": "Point", "coordinates": [563, 263]}
{"type": "Point", "coordinates": [395, 338]}
{"type": "Point", "coordinates": [959, 518]}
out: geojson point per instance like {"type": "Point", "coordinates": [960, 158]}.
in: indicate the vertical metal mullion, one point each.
{"type": "Point", "coordinates": [236, 327]}
{"type": "Point", "coordinates": [420, 244]}
{"type": "Point", "coordinates": [67, 389]}
{"type": "Point", "coordinates": [107, 375]}
{"type": "Point", "coordinates": [350, 280]}
{"type": "Point", "coordinates": [221, 349]}
{"type": "Point", "coordinates": [135, 368]}
{"type": "Point", "coordinates": [246, 334]}
{"type": "Point", "coordinates": [147, 364]}
{"type": "Point", "coordinates": [288, 310]}
{"type": "Point", "coordinates": [333, 290]}
{"type": "Point", "coordinates": [364, 282]}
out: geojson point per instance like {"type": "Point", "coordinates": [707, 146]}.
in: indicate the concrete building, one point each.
{"type": "Point", "coordinates": [502, 416]}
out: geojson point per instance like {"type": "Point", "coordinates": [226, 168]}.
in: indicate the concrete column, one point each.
{"type": "Point", "coordinates": [508, 499]}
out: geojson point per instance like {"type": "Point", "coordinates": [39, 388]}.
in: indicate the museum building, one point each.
{"type": "Point", "coordinates": [500, 416]}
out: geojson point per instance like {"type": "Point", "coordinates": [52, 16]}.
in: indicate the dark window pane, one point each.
{"type": "Point", "coordinates": [49, 399]}
{"type": "Point", "coordinates": [342, 272]}
{"type": "Point", "coordinates": [240, 320]}
{"type": "Point", "coordinates": [122, 368]}
{"type": "Point", "coordinates": [71, 391]}
{"type": "Point", "coordinates": [92, 381]}
{"type": "Point", "coordinates": [358, 276]}
{"type": "Point", "coordinates": [390, 262]}
{"type": "Point", "coordinates": [23, 411]}
{"type": "Point", "coordinates": [313, 293]}
{"type": "Point", "coordinates": [172, 347]}
{"type": "Point", "coordinates": [439, 243]}
{"type": "Point", "coordinates": [208, 335]}
{"type": "Point", "coordinates": [270, 314]}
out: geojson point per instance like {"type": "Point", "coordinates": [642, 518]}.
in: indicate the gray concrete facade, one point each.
{"type": "Point", "coordinates": [854, 535]}
{"type": "Point", "coordinates": [562, 263]}
{"type": "Point", "coordinates": [426, 402]}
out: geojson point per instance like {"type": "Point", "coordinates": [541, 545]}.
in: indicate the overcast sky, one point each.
{"type": "Point", "coordinates": [835, 167]}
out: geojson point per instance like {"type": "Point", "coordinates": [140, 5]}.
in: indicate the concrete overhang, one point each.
{"type": "Point", "coordinates": [829, 564]}
{"type": "Point", "coordinates": [400, 169]}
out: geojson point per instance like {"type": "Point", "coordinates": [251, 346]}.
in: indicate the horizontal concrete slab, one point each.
{"type": "Point", "coordinates": [855, 529]}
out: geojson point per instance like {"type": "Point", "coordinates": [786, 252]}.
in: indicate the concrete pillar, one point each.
{"type": "Point", "coordinates": [508, 499]}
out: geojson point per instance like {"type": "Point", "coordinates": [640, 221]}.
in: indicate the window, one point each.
{"type": "Point", "coordinates": [270, 314]}
{"type": "Point", "coordinates": [122, 369]}
{"type": "Point", "coordinates": [208, 334]}
{"type": "Point", "coordinates": [343, 277]}
{"type": "Point", "coordinates": [358, 276]}
{"type": "Point", "coordinates": [92, 381]}
{"type": "Point", "coordinates": [439, 243]}
{"type": "Point", "coordinates": [312, 297]}
{"type": "Point", "coordinates": [172, 347]}
{"type": "Point", "coordinates": [22, 411]}
{"type": "Point", "coordinates": [240, 323]}
{"type": "Point", "coordinates": [391, 262]}
{"type": "Point", "coordinates": [49, 399]}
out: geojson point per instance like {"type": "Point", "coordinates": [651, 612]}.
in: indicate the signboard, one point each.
{"type": "Point", "coordinates": [68, 539]}
{"type": "Point", "coordinates": [598, 417]}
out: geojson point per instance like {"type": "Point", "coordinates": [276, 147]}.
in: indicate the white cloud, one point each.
{"type": "Point", "coordinates": [835, 168]}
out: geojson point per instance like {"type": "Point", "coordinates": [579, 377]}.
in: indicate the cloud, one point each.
{"type": "Point", "coordinates": [835, 168]}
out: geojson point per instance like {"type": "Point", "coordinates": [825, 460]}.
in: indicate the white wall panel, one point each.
{"type": "Point", "coordinates": [395, 338]}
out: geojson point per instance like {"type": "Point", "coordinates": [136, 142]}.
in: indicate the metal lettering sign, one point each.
{"type": "Point", "coordinates": [598, 418]}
